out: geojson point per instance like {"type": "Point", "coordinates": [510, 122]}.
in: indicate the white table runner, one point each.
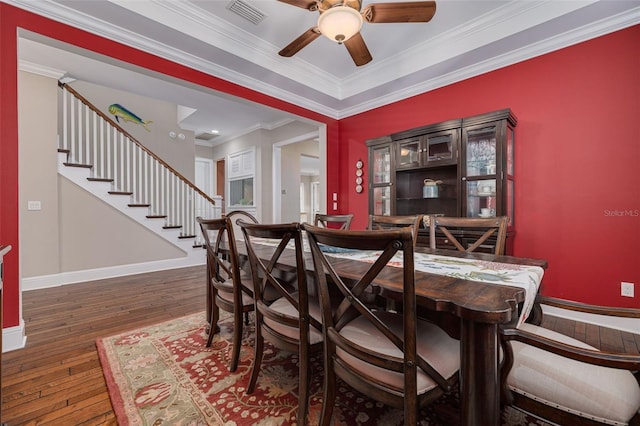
{"type": "Point", "coordinates": [522, 276]}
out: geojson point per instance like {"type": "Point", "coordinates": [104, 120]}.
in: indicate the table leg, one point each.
{"type": "Point", "coordinates": [209, 295]}
{"type": "Point", "coordinates": [479, 378]}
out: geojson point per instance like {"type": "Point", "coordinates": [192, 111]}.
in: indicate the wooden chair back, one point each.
{"type": "Point", "coordinates": [390, 348]}
{"type": "Point", "coordinates": [339, 221]}
{"type": "Point", "coordinates": [378, 222]}
{"type": "Point", "coordinates": [236, 215]}
{"type": "Point", "coordinates": [468, 234]}
{"type": "Point", "coordinates": [226, 290]}
{"type": "Point", "coordinates": [285, 319]}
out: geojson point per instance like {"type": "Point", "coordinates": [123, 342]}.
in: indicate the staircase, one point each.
{"type": "Point", "coordinates": [95, 153]}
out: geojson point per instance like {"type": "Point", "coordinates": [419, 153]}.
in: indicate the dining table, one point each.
{"type": "Point", "coordinates": [471, 295]}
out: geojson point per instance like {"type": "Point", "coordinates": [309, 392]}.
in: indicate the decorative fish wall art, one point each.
{"type": "Point", "coordinates": [121, 112]}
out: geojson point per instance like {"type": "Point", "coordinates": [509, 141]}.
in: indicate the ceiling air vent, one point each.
{"type": "Point", "coordinates": [248, 12]}
{"type": "Point", "coordinates": [207, 136]}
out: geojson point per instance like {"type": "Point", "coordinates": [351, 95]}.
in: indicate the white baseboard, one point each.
{"type": "Point", "coordinates": [14, 338]}
{"type": "Point", "coordinates": [631, 325]}
{"type": "Point", "coordinates": [55, 280]}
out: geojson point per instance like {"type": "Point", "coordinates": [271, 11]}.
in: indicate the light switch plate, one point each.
{"type": "Point", "coordinates": [34, 205]}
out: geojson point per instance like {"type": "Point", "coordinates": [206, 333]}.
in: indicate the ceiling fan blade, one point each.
{"type": "Point", "coordinates": [358, 50]}
{"type": "Point", "coordinates": [296, 45]}
{"type": "Point", "coordinates": [381, 13]}
{"type": "Point", "coordinates": [305, 4]}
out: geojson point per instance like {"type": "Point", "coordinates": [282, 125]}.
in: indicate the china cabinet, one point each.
{"type": "Point", "coordinates": [468, 160]}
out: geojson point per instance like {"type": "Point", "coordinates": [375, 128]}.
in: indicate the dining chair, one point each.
{"type": "Point", "coordinates": [395, 358]}
{"type": "Point", "coordinates": [566, 381]}
{"type": "Point", "coordinates": [379, 222]}
{"type": "Point", "coordinates": [291, 322]}
{"type": "Point", "coordinates": [469, 233]}
{"type": "Point", "coordinates": [230, 289]}
{"type": "Point", "coordinates": [339, 221]}
{"type": "Point", "coordinates": [237, 215]}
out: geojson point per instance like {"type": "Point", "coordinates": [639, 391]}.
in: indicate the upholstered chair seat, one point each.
{"type": "Point", "coordinates": [603, 394]}
{"type": "Point", "coordinates": [285, 307]}
{"type": "Point", "coordinates": [433, 344]}
{"type": "Point", "coordinates": [228, 295]}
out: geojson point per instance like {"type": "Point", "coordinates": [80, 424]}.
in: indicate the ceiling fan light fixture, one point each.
{"type": "Point", "coordinates": [340, 23]}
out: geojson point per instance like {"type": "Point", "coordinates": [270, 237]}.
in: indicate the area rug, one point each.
{"type": "Point", "coordinates": [165, 375]}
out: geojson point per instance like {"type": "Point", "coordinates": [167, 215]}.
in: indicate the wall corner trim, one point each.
{"type": "Point", "coordinates": [14, 338]}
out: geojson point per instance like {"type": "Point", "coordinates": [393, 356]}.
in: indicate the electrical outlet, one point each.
{"type": "Point", "coordinates": [626, 289]}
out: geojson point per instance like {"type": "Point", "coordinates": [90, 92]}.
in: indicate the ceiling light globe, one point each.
{"type": "Point", "coordinates": [340, 23]}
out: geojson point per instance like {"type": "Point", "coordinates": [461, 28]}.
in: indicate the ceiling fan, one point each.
{"type": "Point", "coordinates": [341, 20]}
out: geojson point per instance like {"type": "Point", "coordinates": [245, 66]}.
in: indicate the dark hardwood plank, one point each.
{"type": "Point", "coordinates": [57, 378]}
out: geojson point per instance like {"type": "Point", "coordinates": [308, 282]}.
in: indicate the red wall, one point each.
{"type": "Point", "coordinates": [577, 158]}
{"type": "Point", "coordinates": [11, 19]}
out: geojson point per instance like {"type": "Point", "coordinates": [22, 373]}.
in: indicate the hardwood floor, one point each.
{"type": "Point", "coordinates": [57, 378]}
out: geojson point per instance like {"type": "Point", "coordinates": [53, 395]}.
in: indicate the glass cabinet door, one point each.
{"type": "Point", "coordinates": [481, 198]}
{"type": "Point", "coordinates": [441, 147]}
{"type": "Point", "coordinates": [382, 178]}
{"type": "Point", "coordinates": [382, 165]}
{"type": "Point", "coordinates": [481, 151]}
{"type": "Point", "coordinates": [409, 152]}
{"type": "Point", "coordinates": [509, 151]}
{"type": "Point", "coordinates": [382, 201]}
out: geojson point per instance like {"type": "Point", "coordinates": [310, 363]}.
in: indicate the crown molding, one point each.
{"type": "Point", "coordinates": [40, 70]}
{"type": "Point", "coordinates": [68, 16]}
{"type": "Point", "coordinates": [497, 25]}
{"type": "Point", "coordinates": [561, 41]}
{"type": "Point", "coordinates": [259, 126]}
{"type": "Point", "coordinates": [196, 22]}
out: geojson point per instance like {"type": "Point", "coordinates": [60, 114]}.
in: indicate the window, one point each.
{"type": "Point", "coordinates": [241, 176]}
{"type": "Point", "coordinates": [241, 192]}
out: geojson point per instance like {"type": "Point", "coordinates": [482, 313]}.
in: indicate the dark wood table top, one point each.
{"type": "Point", "coordinates": [466, 299]}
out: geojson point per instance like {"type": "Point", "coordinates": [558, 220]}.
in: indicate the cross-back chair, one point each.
{"type": "Point", "coordinates": [339, 221]}
{"type": "Point", "coordinates": [292, 320]}
{"type": "Point", "coordinates": [394, 358]}
{"type": "Point", "coordinates": [237, 215]}
{"type": "Point", "coordinates": [379, 222]}
{"type": "Point", "coordinates": [566, 381]}
{"type": "Point", "coordinates": [229, 288]}
{"type": "Point", "coordinates": [469, 233]}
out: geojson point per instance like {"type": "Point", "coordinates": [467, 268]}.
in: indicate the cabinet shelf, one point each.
{"type": "Point", "coordinates": [425, 199]}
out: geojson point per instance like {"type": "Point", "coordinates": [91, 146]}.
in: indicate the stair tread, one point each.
{"type": "Point", "coordinates": [120, 193]}
{"type": "Point", "coordinates": [157, 216]}
{"type": "Point", "coordinates": [139, 205]}
{"type": "Point", "coordinates": [172, 226]}
{"type": "Point", "coordinates": [96, 179]}
{"type": "Point", "coordinates": [86, 166]}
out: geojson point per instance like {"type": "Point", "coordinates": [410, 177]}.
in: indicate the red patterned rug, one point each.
{"type": "Point", "coordinates": [164, 375]}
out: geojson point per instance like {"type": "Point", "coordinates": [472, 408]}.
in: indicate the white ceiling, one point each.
{"type": "Point", "coordinates": [464, 38]}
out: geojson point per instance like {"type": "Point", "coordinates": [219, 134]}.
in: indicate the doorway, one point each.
{"type": "Point", "coordinates": [281, 204]}
{"type": "Point", "coordinates": [204, 181]}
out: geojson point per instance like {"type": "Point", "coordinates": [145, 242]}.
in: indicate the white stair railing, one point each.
{"type": "Point", "coordinates": [92, 138]}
